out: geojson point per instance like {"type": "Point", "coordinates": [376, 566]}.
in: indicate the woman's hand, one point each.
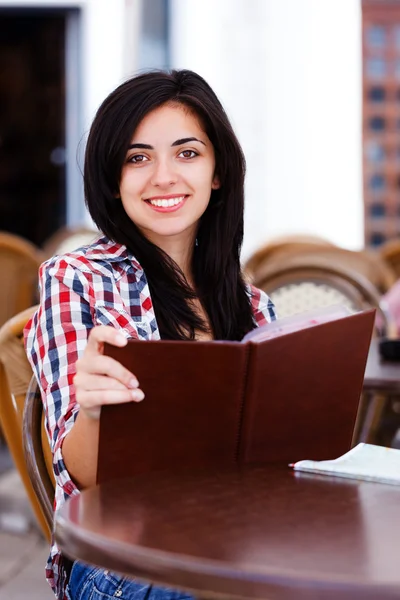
{"type": "Point", "coordinates": [100, 379]}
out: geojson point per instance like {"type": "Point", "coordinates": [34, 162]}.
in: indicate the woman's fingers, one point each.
{"type": "Point", "coordinates": [99, 384]}
{"type": "Point", "coordinates": [100, 379]}
{"type": "Point", "coordinates": [93, 391]}
{"type": "Point", "coordinates": [98, 364]}
{"type": "Point", "coordinates": [90, 402]}
{"type": "Point", "coordinates": [100, 334]}
{"type": "Point", "coordinates": [92, 398]}
{"type": "Point", "coordinates": [87, 382]}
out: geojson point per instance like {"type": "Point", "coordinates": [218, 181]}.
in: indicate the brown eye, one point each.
{"type": "Point", "coordinates": [138, 158]}
{"type": "Point", "coordinates": [188, 154]}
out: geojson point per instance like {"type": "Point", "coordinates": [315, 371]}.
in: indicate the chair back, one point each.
{"type": "Point", "coordinates": [37, 451]}
{"type": "Point", "coordinates": [389, 252]}
{"type": "Point", "coordinates": [366, 263]}
{"type": "Point", "coordinates": [292, 243]}
{"type": "Point", "coordinates": [68, 239]}
{"type": "Point", "coordinates": [19, 264]}
{"type": "Point", "coordinates": [15, 379]}
{"type": "Point", "coordinates": [301, 284]}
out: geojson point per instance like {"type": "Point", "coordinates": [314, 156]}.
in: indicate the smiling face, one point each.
{"type": "Point", "coordinates": [168, 174]}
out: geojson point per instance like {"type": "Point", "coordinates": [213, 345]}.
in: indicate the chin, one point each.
{"type": "Point", "coordinates": [168, 229]}
{"type": "Point", "coordinates": [167, 232]}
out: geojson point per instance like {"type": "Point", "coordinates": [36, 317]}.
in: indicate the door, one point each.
{"type": "Point", "coordinates": [32, 122]}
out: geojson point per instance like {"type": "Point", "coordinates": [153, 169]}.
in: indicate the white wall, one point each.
{"type": "Point", "coordinates": [289, 75]}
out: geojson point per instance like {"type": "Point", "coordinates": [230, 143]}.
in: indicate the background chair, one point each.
{"type": "Point", "coordinates": [366, 263]}
{"type": "Point", "coordinates": [67, 239]}
{"type": "Point", "coordinates": [37, 451]}
{"type": "Point", "coordinates": [19, 264]}
{"type": "Point", "coordinates": [389, 252]}
{"type": "Point", "coordinates": [304, 283]}
{"type": "Point", "coordinates": [15, 379]}
{"type": "Point", "coordinates": [293, 243]}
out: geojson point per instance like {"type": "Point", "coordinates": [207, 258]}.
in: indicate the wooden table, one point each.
{"type": "Point", "coordinates": [381, 385]}
{"type": "Point", "coordinates": [261, 532]}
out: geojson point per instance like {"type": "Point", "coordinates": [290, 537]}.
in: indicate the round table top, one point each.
{"type": "Point", "coordinates": [256, 532]}
{"type": "Point", "coordinates": [379, 373]}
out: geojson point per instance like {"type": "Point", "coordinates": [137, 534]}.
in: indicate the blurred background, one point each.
{"type": "Point", "coordinates": [312, 88]}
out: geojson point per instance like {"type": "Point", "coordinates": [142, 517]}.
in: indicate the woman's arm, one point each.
{"type": "Point", "coordinates": [65, 351]}
{"type": "Point", "coordinates": [99, 380]}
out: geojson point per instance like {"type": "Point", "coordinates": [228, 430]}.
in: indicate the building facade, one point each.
{"type": "Point", "coordinates": [381, 120]}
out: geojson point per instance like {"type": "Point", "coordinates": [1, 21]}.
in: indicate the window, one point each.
{"type": "Point", "coordinates": [377, 123]}
{"type": "Point", "coordinates": [375, 152]}
{"type": "Point", "coordinates": [377, 183]}
{"type": "Point", "coordinates": [376, 68]}
{"type": "Point", "coordinates": [377, 210]}
{"type": "Point", "coordinates": [377, 239]}
{"type": "Point", "coordinates": [376, 36]}
{"type": "Point", "coordinates": [377, 94]}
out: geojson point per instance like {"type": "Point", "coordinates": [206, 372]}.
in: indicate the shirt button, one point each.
{"type": "Point", "coordinates": [118, 593]}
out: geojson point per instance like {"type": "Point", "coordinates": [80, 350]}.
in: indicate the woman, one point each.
{"type": "Point", "coordinates": [164, 182]}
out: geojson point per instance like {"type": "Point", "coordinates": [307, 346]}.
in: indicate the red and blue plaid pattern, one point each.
{"type": "Point", "coordinates": [99, 284]}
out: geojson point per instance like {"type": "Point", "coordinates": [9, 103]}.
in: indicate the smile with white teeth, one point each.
{"type": "Point", "coordinates": [166, 203]}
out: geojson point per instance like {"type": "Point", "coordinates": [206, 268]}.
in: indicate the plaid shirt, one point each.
{"type": "Point", "coordinates": [99, 284]}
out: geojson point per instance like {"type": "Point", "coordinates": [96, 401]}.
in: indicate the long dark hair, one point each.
{"type": "Point", "coordinates": [216, 257]}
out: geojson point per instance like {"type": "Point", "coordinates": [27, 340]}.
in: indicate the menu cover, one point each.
{"type": "Point", "coordinates": [271, 398]}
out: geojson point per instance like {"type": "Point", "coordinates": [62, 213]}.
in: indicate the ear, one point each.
{"type": "Point", "coordinates": [216, 184]}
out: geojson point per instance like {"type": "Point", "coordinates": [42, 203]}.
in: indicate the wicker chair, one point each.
{"type": "Point", "coordinates": [389, 252]}
{"type": "Point", "coordinates": [367, 264]}
{"type": "Point", "coordinates": [19, 264]}
{"type": "Point", "coordinates": [37, 451]}
{"type": "Point", "coordinates": [305, 283]}
{"type": "Point", "coordinates": [294, 243]}
{"type": "Point", "coordinates": [15, 381]}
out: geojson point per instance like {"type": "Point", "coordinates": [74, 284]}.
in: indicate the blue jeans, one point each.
{"type": "Point", "coordinates": [91, 583]}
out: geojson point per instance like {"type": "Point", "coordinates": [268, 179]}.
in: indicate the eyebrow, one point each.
{"type": "Point", "coordinates": [176, 143]}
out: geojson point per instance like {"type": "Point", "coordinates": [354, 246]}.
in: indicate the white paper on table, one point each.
{"type": "Point", "coordinates": [364, 461]}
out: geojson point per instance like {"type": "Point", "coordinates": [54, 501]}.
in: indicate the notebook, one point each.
{"type": "Point", "coordinates": [367, 462]}
{"type": "Point", "coordinates": [288, 390]}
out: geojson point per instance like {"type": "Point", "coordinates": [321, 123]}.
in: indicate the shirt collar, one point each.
{"type": "Point", "coordinates": [104, 249]}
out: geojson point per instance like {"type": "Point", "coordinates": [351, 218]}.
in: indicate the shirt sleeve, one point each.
{"type": "Point", "coordinates": [55, 338]}
{"type": "Point", "coordinates": [263, 307]}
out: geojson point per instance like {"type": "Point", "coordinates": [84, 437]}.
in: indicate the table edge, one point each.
{"type": "Point", "coordinates": [150, 564]}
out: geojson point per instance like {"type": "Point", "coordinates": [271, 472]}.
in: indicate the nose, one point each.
{"type": "Point", "coordinates": [164, 174]}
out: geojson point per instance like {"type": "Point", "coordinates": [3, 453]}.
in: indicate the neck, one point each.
{"type": "Point", "coordinates": [180, 249]}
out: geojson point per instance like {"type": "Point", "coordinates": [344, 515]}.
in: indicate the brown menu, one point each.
{"type": "Point", "coordinates": [287, 398]}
